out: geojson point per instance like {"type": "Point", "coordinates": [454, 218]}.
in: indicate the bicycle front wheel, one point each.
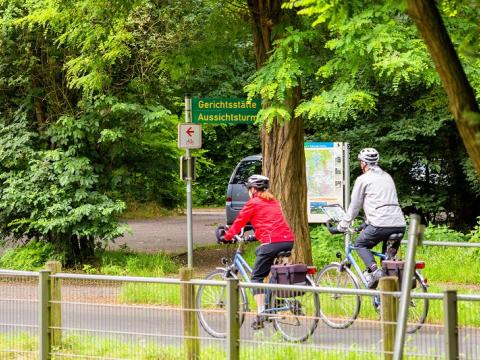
{"type": "Point", "coordinates": [211, 303]}
{"type": "Point", "coordinates": [418, 308]}
{"type": "Point", "coordinates": [295, 317]}
{"type": "Point", "coordinates": [337, 310]}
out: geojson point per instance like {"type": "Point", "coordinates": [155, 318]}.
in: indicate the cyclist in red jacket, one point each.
{"type": "Point", "coordinates": [264, 213]}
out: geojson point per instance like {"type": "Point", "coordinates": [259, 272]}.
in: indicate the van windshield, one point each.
{"type": "Point", "coordinates": [246, 169]}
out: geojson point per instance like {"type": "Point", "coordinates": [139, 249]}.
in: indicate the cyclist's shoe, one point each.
{"type": "Point", "coordinates": [259, 321]}
{"type": "Point", "coordinates": [372, 278]}
{"type": "Point", "coordinates": [368, 276]}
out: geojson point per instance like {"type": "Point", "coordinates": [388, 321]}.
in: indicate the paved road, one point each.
{"type": "Point", "coordinates": [170, 233]}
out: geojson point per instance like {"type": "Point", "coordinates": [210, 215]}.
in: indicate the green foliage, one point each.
{"type": "Point", "coordinates": [475, 233]}
{"type": "Point", "coordinates": [443, 233]}
{"type": "Point", "coordinates": [276, 80]}
{"type": "Point", "coordinates": [76, 344]}
{"type": "Point", "coordinates": [324, 246]}
{"type": "Point", "coordinates": [377, 87]}
{"type": "Point", "coordinates": [124, 262]}
{"type": "Point", "coordinates": [446, 265]}
{"type": "Point", "coordinates": [339, 104]}
{"type": "Point", "coordinates": [161, 294]}
{"type": "Point", "coordinates": [32, 256]}
{"type": "Point", "coordinates": [50, 195]}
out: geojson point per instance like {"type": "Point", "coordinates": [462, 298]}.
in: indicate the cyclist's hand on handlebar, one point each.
{"type": "Point", "coordinates": [250, 238]}
{"type": "Point", "coordinates": [220, 234]}
{"type": "Point", "coordinates": [222, 240]}
{"type": "Point", "coordinates": [333, 229]}
{"type": "Point", "coordinates": [360, 227]}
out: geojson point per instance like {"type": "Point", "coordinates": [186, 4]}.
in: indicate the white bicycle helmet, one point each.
{"type": "Point", "coordinates": [370, 156]}
{"type": "Point", "coordinates": [258, 182]}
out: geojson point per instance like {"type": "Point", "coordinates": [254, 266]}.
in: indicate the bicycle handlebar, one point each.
{"type": "Point", "coordinates": [243, 238]}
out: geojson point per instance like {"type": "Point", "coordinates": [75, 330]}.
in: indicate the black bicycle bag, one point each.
{"type": "Point", "coordinates": [395, 268]}
{"type": "Point", "coordinates": [288, 274]}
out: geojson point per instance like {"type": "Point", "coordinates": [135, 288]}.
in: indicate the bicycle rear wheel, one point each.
{"type": "Point", "coordinates": [211, 304]}
{"type": "Point", "coordinates": [337, 310]}
{"type": "Point", "coordinates": [418, 308]}
{"type": "Point", "coordinates": [296, 317]}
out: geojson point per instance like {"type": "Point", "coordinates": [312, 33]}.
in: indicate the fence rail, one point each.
{"type": "Point", "coordinates": [447, 243]}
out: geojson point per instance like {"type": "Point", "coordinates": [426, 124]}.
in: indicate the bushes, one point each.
{"type": "Point", "coordinates": [324, 246]}
{"type": "Point", "coordinates": [31, 256]}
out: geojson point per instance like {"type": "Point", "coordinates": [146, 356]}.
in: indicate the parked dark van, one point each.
{"type": "Point", "coordinates": [237, 194]}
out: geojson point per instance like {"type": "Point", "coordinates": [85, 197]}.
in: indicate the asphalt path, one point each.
{"type": "Point", "coordinates": [169, 234]}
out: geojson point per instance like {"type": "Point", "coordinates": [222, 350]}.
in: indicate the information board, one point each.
{"type": "Point", "coordinates": [325, 162]}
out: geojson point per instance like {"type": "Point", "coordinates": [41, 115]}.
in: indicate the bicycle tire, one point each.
{"type": "Point", "coordinates": [211, 305]}
{"type": "Point", "coordinates": [418, 308]}
{"type": "Point", "coordinates": [333, 311]}
{"type": "Point", "coordinates": [299, 322]}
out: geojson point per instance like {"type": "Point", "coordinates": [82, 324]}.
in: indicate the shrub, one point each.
{"type": "Point", "coordinates": [324, 246]}
{"type": "Point", "coordinates": [443, 233]}
{"type": "Point", "coordinates": [31, 256]}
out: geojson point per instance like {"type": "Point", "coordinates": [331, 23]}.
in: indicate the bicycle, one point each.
{"type": "Point", "coordinates": [340, 310]}
{"type": "Point", "coordinates": [295, 317]}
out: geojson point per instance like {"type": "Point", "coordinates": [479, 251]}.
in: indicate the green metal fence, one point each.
{"type": "Point", "coordinates": [50, 315]}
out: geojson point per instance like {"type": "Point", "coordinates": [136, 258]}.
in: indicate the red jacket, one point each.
{"type": "Point", "coordinates": [266, 217]}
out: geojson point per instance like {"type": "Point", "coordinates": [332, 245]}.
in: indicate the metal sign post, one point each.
{"type": "Point", "coordinates": [189, 137]}
{"type": "Point", "coordinates": [346, 175]}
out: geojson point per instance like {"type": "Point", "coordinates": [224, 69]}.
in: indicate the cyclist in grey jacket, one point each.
{"type": "Point", "coordinates": [375, 191]}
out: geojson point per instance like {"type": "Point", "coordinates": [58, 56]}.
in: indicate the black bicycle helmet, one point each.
{"type": "Point", "coordinates": [259, 182]}
{"type": "Point", "coordinates": [369, 156]}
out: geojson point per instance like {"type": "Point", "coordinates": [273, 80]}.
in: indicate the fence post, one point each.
{"type": "Point", "coordinates": [451, 324]}
{"type": "Point", "coordinates": [44, 309]}
{"type": "Point", "coordinates": [55, 302]}
{"type": "Point", "coordinates": [190, 324]}
{"type": "Point", "coordinates": [415, 232]}
{"type": "Point", "coordinates": [233, 320]}
{"type": "Point", "coordinates": [388, 311]}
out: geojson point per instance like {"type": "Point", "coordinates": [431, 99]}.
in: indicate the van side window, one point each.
{"type": "Point", "coordinates": [245, 170]}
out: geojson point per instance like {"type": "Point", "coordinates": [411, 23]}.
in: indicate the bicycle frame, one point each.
{"type": "Point", "coordinates": [349, 257]}
{"type": "Point", "coordinates": [349, 248]}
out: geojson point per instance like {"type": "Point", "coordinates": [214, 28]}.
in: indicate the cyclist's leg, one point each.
{"type": "Point", "coordinates": [368, 238]}
{"type": "Point", "coordinates": [391, 247]}
{"type": "Point", "coordinates": [265, 255]}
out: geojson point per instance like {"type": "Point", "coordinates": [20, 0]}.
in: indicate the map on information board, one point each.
{"type": "Point", "coordinates": [325, 177]}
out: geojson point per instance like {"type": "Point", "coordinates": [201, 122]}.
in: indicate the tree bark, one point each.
{"type": "Point", "coordinates": [462, 101]}
{"type": "Point", "coordinates": [282, 145]}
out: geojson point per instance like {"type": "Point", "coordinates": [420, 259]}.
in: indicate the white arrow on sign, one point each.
{"type": "Point", "coordinates": [189, 136]}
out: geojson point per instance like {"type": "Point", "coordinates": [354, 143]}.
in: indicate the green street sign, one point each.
{"type": "Point", "coordinates": [225, 110]}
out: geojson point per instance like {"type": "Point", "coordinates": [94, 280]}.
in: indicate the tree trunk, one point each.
{"type": "Point", "coordinates": [282, 145]}
{"type": "Point", "coordinates": [462, 102]}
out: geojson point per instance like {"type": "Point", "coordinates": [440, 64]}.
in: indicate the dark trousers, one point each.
{"type": "Point", "coordinates": [371, 236]}
{"type": "Point", "coordinates": [265, 255]}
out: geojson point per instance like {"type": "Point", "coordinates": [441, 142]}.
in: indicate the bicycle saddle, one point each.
{"type": "Point", "coordinates": [396, 236]}
{"type": "Point", "coordinates": [284, 254]}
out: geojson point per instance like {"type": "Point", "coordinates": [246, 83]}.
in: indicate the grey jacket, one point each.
{"type": "Point", "coordinates": [375, 192]}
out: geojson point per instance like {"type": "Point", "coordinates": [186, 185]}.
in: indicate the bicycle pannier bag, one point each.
{"type": "Point", "coordinates": [288, 274]}
{"type": "Point", "coordinates": [395, 268]}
